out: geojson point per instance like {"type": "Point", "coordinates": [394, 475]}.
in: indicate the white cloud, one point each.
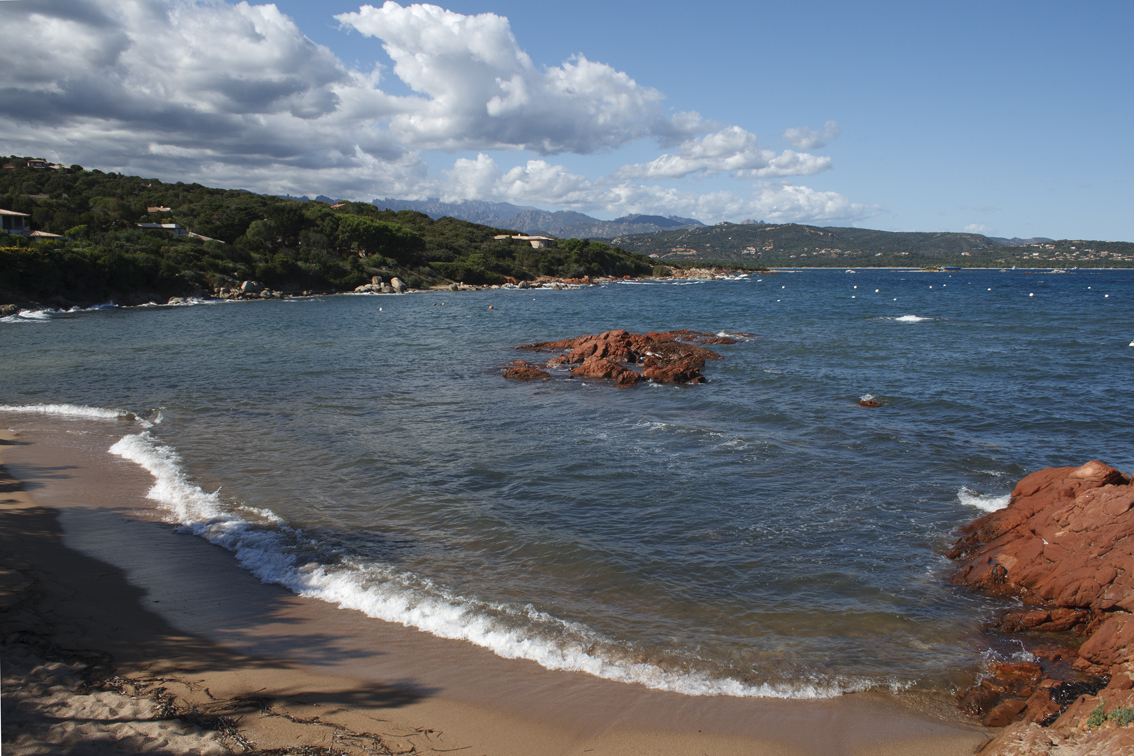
{"type": "Point", "coordinates": [543, 184]}
{"type": "Point", "coordinates": [805, 138]}
{"type": "Point", "coordinates": [978, 228]}
{"type": "Point", "coordinates": [236, 95]}
{"type": "Point", "coordinates": [479, 90]}
{"type": "Point", "coordinates": [731, 149]}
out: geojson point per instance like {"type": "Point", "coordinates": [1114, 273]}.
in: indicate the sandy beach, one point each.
{"type": "Point", "coordinates": [121, 632]}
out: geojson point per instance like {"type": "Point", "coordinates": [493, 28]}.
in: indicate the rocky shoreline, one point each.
{"type": "Point", "coordinates": [1063, 549]}
{"type": "Point", "coordinates": [250, 290]}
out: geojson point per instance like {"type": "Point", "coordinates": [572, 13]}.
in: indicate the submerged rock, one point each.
{"type": "Point", "coordinates": [1064, 546]}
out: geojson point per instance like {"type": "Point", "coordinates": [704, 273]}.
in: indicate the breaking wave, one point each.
{"type": "Point", "coordinates": [983, 502]}
{"type": "Point", "coordinates": [277, 553]}
{"type": "Point", "coordinates": [73, 410]}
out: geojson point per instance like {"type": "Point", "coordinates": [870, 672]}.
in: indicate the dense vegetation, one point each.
{"type": "Point", "coordinates": [285, 244]}
{"type": "Point", "coordinates": [792, 244]}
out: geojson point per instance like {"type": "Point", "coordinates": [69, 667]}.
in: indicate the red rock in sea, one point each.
{"type": "Point", "coordinates": [525, 372]}
{"type": "Point", "coordinates": [600, 367]}
{"type": "Point", "coordinates": [666, 356]}
{"type": "Point", "coordinates": [1064, 546]}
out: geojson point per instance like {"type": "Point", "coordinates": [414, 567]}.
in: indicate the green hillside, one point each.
{"type": "Point", "coordinates": [288, 245]}
{"type": "Point", "coordinates": [792, 245]}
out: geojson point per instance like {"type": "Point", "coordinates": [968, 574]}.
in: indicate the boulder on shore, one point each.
{"type": "Point", "coordinates": [1064, 547]}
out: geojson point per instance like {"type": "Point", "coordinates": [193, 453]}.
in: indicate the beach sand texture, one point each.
{"type": "Point", "coordinates": [123, 635]}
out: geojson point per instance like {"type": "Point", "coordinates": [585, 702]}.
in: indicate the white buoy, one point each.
{"type": "Point", "coordinates": [1031, 295]}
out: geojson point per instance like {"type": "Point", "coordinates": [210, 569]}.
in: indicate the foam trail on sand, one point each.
{"type": "Point", "coordinates": [277, 553]}
{"type": "Point", "coordinates": [987, 503]}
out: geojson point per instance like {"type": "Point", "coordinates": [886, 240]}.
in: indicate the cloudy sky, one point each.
{"type": "Point", "coordinates": [1006, 118]}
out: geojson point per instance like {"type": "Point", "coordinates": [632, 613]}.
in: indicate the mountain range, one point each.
{"type": "Point", "coordinates": [532, 220]}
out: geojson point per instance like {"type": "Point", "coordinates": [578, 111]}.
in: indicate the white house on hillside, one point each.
{"type": "Point", "coordinates": [535, 241]}
{"type": "Point", "coordinates": [13, 222]}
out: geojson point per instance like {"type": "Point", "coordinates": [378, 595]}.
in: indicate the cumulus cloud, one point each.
{"type": "Point", "coordinates": [180, 87]}
{"type": "Point", "coordinates": [237, 95]}
{"type": "Point", "coordinates": [978, 228]}
{"type": "Point", "coordinates": [733, 150]}
{"type": "Point", "coordinates": [479, 90]}
{"type": "Point", "coordinates": [805, 138]}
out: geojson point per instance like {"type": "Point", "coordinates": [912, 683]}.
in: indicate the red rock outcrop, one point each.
{"type": "Point", "coordinates": [600, 367]}
{"type": "Point", "coordinates": [519, 370]}
{"type": "Point", "coordinates": [665, 356]}
{"type": "Point", "coordinates": [1064, 546]}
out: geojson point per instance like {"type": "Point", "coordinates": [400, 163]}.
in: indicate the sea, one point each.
{"type": "Point", "coordinates": [761, 534]}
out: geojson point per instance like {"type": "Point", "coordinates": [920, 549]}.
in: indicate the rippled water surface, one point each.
{"type": "Point", "coordinates": [761, 534]}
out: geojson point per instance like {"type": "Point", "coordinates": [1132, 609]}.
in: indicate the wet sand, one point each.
{"type": "Point", "coordinates": [93, 567]}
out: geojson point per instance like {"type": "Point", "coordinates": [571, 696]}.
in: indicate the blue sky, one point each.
{"type": "Point", "coordinates": [1009, 118]}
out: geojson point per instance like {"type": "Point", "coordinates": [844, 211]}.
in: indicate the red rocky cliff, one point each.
{"type": "Point", "coordinates": [1064, 546]}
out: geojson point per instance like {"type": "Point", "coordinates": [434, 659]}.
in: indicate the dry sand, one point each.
{"type": "Point", "coordinates": [121, 633]}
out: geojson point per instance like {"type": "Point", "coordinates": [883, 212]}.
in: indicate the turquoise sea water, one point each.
{"type": "Point", "coordinates": [761, 534]}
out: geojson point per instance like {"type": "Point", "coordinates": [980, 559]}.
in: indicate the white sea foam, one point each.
{"type": "Point", "coordinates": [910, 319]}
{"type": "Point", "coordinates": [35, 316]}
{"type": "Point", "coordinates": [270, 549]}
{"type": "Point", "coordinates": [69, 410]}
{"type": "Point", "coordinates": [46, 314]}
{"type": "Point", "coordinates": [984, 502]}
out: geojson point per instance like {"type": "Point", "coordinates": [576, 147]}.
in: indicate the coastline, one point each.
{"type": "Point", "coordinates": [109, 576]}
{"type": "Point", "coordinates": [706, 272]}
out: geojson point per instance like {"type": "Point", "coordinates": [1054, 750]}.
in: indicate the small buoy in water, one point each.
{"type": "Point", "coordinates": [490, 307]}
{"type": "Point", "coordinates": [1106, 296]}
{"type": "Point", "coordinates": [867, 400]}
{"type": "Point", "coordinates": [1031, 294]}
{"type": "Point", "coordinates": [876, 291]}
{"type": "Point", "coordinates": [852, 296]}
